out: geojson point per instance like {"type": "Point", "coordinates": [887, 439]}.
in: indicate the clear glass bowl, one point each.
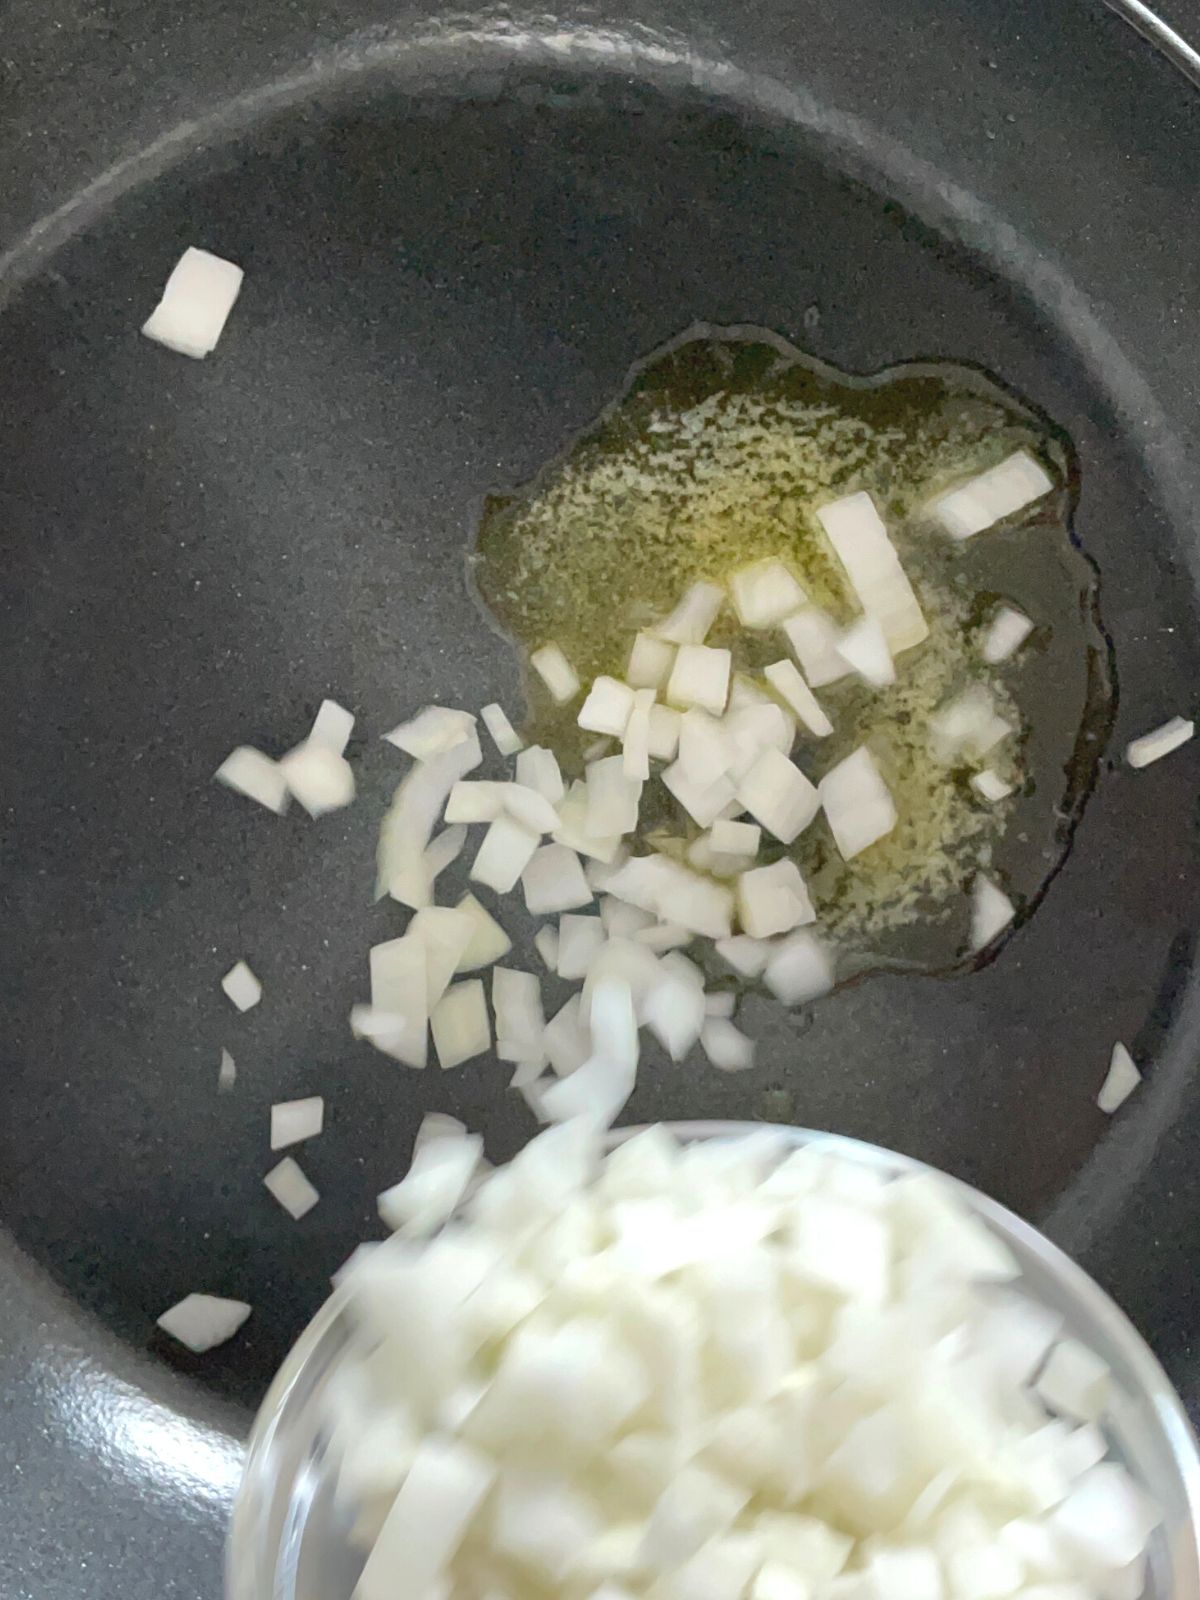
{"type": "Point", "coordinates": [289, 1541]}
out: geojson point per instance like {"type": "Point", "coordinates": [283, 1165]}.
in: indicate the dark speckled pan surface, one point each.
{"type": "Point", "coordinates": [459, 231]}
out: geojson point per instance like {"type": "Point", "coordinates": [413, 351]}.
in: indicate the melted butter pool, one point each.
{"type": "Point", "coordinates": [717, 454]}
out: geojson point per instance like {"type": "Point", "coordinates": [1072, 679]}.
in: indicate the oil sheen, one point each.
{"type": "Point", "coordinates": [717, 454]}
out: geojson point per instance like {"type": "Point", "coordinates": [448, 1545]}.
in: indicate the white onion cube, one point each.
{"type": "Point", "coordinates": [459, 1023]}
{"type": "Point", "coordinates": [1005, 634]}
{"type": "Point", "coordinates": [1150, 747]}
{"type": "Point", "coordinates": [320, 778]}
{"type": "Point", "coordinates": [537, 769]}
{"type": "Point", "coordinates": [726, 1046]}
{"type": "Point", "coordinates": [864, 647]}
{"type": "Point", "coordinates": [778, 795]}
{"type": "Point", "coordinates": [764, 594]}
{"type": "Point", "coordinates": [249, 772]}
{"type": "Point", "coordinates": [293, 1120]}
{"type": "Point", "coordinates": [663, 732]}
{"type": "Point", "coordinates": [1075, 1382]}
{"type": "Point", "coordinates": [693, 616]}
{"type": "Point", "coordinates": [291, 1188]}
{"type": "Point", "coordinates": [773, 900]}
{"type": "Point", "coordinates": [813, 637]}
{"type": "Point", "coordinates": [506, 851]}
{"type": "Point", "coordinates": [241, 986]}
{"type": "Point", "coordinates": [203, 1321]}
{"type": "Point", "coordinates": [994, 495]}
{"type": "Point", "coordinates": [504, 736]}
{"type": "Point", "coordinates": [428, 1519]}
{"type": "Point", "coordinates": [613, 798]}
{"type": "Point", "coordinates": [860, 540]}
{"type": "Point", "coordinates": [579, 942]}
{"type": "Point", "coordinates": [799, 969]}
{"type": "Point", "coordinates": [556, 672]}
{"type": "Point", "coordinates": [553, 881]}
{"type": "Point", "coordinates": [1122, 1079]}
{"type": "Point", "coordinates": [607, 707]}
{"type": "Point", "coordinates": [857, 803]}
{"type": "Point", "coordinates": [195, 304]}
{"type": "Point", "coordinates": [432, 732]}
{"type": "Point", "coordinates": [991, 911]}
{"type": "Point", "coordinates": [790, 686]}
{"type": "Point", "coordinates": [649, 662]}
{"type": "Point", "coordinates": [700, 677]}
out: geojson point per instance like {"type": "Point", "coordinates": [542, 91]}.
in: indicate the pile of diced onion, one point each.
{"type": "Point", "coordinates": [722, 745]}
{"type": "Point", "coordinates": [731, 1370]}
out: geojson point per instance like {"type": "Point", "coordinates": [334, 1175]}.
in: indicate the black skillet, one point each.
{"type": "Point", "coordinates": [459, 232]}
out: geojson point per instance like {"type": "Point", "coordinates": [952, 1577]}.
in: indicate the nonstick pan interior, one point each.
{"type": "Point", "coordinates": [443, 284]}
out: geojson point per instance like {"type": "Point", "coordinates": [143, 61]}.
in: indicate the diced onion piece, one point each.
{"type": "Point", "coordinates": [531, 809]}
{"type": "Point", "coordinates": [556, 672]}
{"type": "Point", "coordinates": [673, 1010]}
{"type": "Point", "coordinates": [649, 662]}
{"type": "Point", "coordinates": [613, 1022]}
{"type": "Point", "coordinates": [568, 1042]}
{"type": "Point", "coordinates": [293, 1120]}
{"type": "Point", "coordinates": [864, 647]}
{"type": "Point", "coordinates": [663, 733]}
{"type": "Point", "coordinates": [432, 732]}
{"type": "Point", "coordinates": [773, 900]}
{"type": "Point", "coordinates": [443, 1489]}
{"type": "Point", "coordinates": [993, 496]}
{"type": "Point", "coordinates": [858, 535]}
{"type": "Point", "coordinates": [726, 1046]}
{"type": "Point", "coordinates": [596, 1091]}
{"type": "Point", "coordinates": [488, 941]}
{"type": "Point", "coordinates": [792, 689]}
{"type": "Point", "coordinates": [613, 798]}
{"type": "Point", "coordinates": [553, 880]}
{"type": "Point", "coordinates": [291, 1188]}
{"type": "Point", "coordinates": [398, 997]}
{"type": "Point", "coordinates": [433, 1187]}
{"type": "Point", "coordinates": [607, 707]}
{"type": "Point", "coordinates": [506, 851]}
{"type": "Point", "coordinates": [1122, 1079]}
{"type": "Point", "coordinates": [700, 677]}
{"type": "Point", "coordinates": [635, 746]}
{"type": "Point", "coordinates": [799, 969]}
{"type": "Point", "coordinates": [195, 304]}
{"type": "Point", "coordinates": [693, 616]}
{"type": "Point", "coordinates": [745, 955]}
{"type": "Point", "coordinates": [332, 727]}
{"type": "Point", "coordinates": [479, 801]}
{"type": "Point", "coordinates": [1106, 1520]}
{"type": "Point", "coordinates": [579, 941]}
{"type": "Point", "coordinates": [573, 829]}
{"type": "Point", "coordinates": [203, 1321]}
{"type": "Point", "coordinates": [1005, 634]}
{"type": "Point", "coordinates": [504, 736]}
{"type": "Point", "coordinates": [403, 871]}
{"type": "Point", "coordinates": [446, 935]}
{"type": "Point", "coordinates": [674, 894]}
{"type": "Point", "coordinates": [991, 912]}
{"type": "Point", "coordinates": [241, 986]}
{"type": "Point", "coordinates": [537, 769]}
{"type": "Point", "coordinates": [857, 803]}
{"type": "Point", "coordinates": [545, 942]}
{"type": "Point", "coordinates": [459, 1023]}
{"type": "Point", "coordinates": [990, 786]}
{"type": "Point", "coordinates": [813, 637]}
{"type": "Point", "coordinates": [249, 772]}
{"type": "Point", "coordinates": [735, 838]}
{"type": "Point", "coordinates": [621, 920]}
{"type": "Point", "coordinates": [966, 726]}
{"type": "Point", "coordinates": [778, 795]}
{"type": "Point", "coordinates": [1075, 1382]}
{"type": "Point", "coordinates": [226, 1073]}
{"type": "Point", "coordinates": [320, 779]}
{"type": "Point", "coordinates": [706, 751]}
{"type": "Point", "coordinates": [704, 803]}
{"type": "Point", "coordinates": [755, 728]}
{"type": "Point", "coordinates": [764, 594]}
{"type": "Point", "coordinates": [1154, 746]}
{"type": "Point", "coordinates": [443, 851]}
